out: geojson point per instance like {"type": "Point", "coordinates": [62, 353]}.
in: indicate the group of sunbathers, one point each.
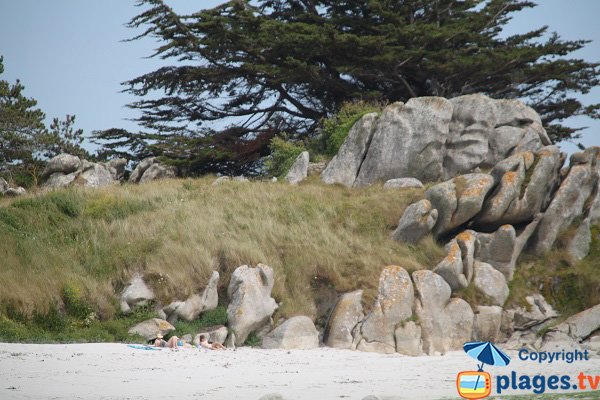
{"type": "Point", "coordinates": [174, 342]}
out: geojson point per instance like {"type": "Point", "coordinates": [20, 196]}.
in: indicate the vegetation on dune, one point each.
{"type": "Point", "coordinates": [77, 248]}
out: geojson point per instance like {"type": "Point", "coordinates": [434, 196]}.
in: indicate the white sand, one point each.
{"type": "Point", "coordinates": [115, 371]}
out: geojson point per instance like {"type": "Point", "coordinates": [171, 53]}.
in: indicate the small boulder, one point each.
{"type": "Point", "coordinates": [491, 283]}
{"type": "Point", "coordinates": [416, 222]}
{"type": "Point", "coordinates": [116, 166]}
{"type": "Point", "coordinates": [214, 334]}
{"type": "Point", "coordinates": [295, 333]}
{"type": "Point", "coordinates": [497, 249]}
{"type": "Point", "coordinates": [251, 305]}
{"type": "Point", "coordinates": [152, 327]}
{"type": "Point", "coordinates": [400, 183]}
{"type": "Point", "coordinates": [348, 312]}
{"type": "Point", "coordinates": [299, 169]}
{"type": "Point", "coordinates": [97, 175]}
{"type": "Point", "coordinates": [139, 169]}
{"type": "Point", "coordinates": [196, 304]}
{"type": "Point", "coordinates": [451, 267]}
{"type": "Point", "coordinates": [14, 192]}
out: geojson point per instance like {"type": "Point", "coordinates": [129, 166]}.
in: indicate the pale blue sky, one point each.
{"type": "Point", "coordinates": [69, 54]}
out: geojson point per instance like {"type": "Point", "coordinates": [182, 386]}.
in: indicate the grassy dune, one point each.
{"type": "Point", "coordinates": [75, 249]}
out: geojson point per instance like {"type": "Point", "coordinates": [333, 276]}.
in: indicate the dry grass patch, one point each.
{"type": "Point", "coordinates": [176, 232]}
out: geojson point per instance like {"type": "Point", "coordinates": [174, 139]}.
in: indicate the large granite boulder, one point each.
{"type": "Point", "coordinates": [408, 339]}
{"type": "Point", "coordinates": [344, 166]}
{"type": "Point", "coordinates": [295, 333]}
{"type": "Point", "coordinates": [150, 169]}
{"type": "Point", "coordinates": [458, 200]}
{"type": "Point", "coordinates": [137, 293]}
{"type": "Point", "coordinates": [408, 140]}
{"type": "Point", "coordinates": [491, 283]}
{"type": "Point", "coordinates": [416, 222]}
{"type": "Point", "coordinates": [67, 170]}
{"type": "Point", "coordinates": [446, 324]}
{"type": "Point", "coordinates": [394, 305]}
{"type": "Point", "coordinates": [572, 200]}
{"type": "Point", "coordinates": [251, 305]}
{"type": "Point", "coordinates": [432, 139]}
{"type": "Point", "coordinates": [96, 175]}
{"type": "Point", "coordinates": [347, 313]}
{"type": "Point", "coordinates": [149, 329]}
{"type": "Point", "coordinates": [573, 331]}
{"type": "Point", "coordinates": [196, 304]}
{"type": "Point", "coordinates": [525, 182]}
{"type": "Point", "coordinates": [299, 169]}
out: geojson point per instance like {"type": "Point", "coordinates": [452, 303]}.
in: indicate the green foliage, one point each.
{"type": "Point", "coordinates": [283, 155]}
{"type": "Point", "coordinates": [209, 318]}
{"type": "Point", "coordinates": [336, 129]}
{"type": "Point", "coordinates": [75, 304]}
{"type": "Point", "coordinates": [253, 340]}
{"type": "Point", "coordinates": [52, 320]}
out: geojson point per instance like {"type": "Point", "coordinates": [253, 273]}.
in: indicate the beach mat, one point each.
{"type": "Point", "coordinates": [142, 347]}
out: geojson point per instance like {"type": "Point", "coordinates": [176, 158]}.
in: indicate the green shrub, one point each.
{"type": "Point", "coordinates": [52, 320]}
{"type": "Point", "coordinates": [218, 316]}
{"type": "Point", "coordinates": [336, 128]}
{"type": "Point", "coordinates": [283, 155]}
{"type": "Point", "coordinates": [253, 340]}
{"type": "Point", "coordinates": [75, 305]}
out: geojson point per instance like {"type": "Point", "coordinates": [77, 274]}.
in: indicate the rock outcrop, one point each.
{"type": "Point", "coordinates": [299, 169]}
{"type": "Point", "coordinates": [68, 170]}
{"type": "Point", "coordinates": [251, 305]}
{"type": "Point", "coordinates": [150, 169]}
{"type": "Point", "coordinates": [295, 333]}
{"type": "Point", "coordinates": [8, 191]}
{"type": "Point", "coordinates": [403, 183]}
{"type": "Point", "coordinates": [432, 139]}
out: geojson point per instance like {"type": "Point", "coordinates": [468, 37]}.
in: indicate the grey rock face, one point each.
{"type": "Point", "coordinates": [344, 167]}
{"type": "Point", "coordinates": [431, 138]}
{"type": "Point", "coordinates": [401, 183]}
{"type": "Point", "coordinates": [116, 166]}
{"type": "Point", "coordinates": [137, 293]}
{"type": "Point", "coordinates": [491, 283]}
{"type": "Point", "coordinates": [446, 324]}
{"type": "Point", "coordinates": [295, 333]}
{"type": "Point", "coordinates": [158, 171]}
{"type": "Point", "coordinates": [525, 182]}
{"type": "Point", "coordinates": [347, 313]}
{"type": "Point", "coordinates": [251, 305]}
{"type": "Point", "coordinates": [299, 169]}
{"type": "Point", "coordinates": [97, 175]}
{"type": "Point", "coordinates": [152, 327]}
{"type": "Point", "coordinates": [393, 305]}
{"type": "Point", "coordinates": [416, 222]}
{"type": "Point", "coordinates": [63, 163]}
{"type": "Point", "coordinates": [497, 249]}
{"type": "Point", "coordinates": [196, 304]}
{"type": "Point", "coordinates": [581, 325]}
{"type": "Point", "coordinates": [487, 323]}
{"type": "Point", "coordinates": [139, 169]}
{"type": "Point", "coordinates": [458, 200]}
{"type": "Point", "coordinates": [408, 339]}
{"type": "Point", "coordinates": [537, 313]}
{"type": "Point", "coordinates": [573, 199]}
{"type": "Point", "coordinates": [408, 140]}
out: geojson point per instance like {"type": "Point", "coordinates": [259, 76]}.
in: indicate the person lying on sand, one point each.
{"type": "Point", "coordinates": [211, 346]}
{"type": "Point", "coordinates": [160, 342]}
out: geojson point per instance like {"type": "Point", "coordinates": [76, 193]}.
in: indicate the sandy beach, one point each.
{"type": "Point", "coordinates": [116, 371]}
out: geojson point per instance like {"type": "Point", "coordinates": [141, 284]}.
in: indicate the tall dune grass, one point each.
{"type": "Point", "coordinates": [176, 232]}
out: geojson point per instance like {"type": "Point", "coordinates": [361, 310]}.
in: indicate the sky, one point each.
{"type": "Point", "coordinates": [71, 58]}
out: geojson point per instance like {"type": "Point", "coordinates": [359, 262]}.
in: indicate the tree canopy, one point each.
{"type": "Point", "coordinates": [25, 142]}
{"type": "Point", "coordinates": [265, 67]}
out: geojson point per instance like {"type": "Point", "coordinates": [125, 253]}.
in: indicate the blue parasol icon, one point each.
{"type": "Point", "coordinates": [487, 353]}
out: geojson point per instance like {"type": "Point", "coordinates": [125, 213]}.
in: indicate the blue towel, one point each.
{"type": "Point", "coordinates": [142, 347]}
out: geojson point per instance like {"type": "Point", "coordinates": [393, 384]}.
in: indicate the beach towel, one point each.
{"type": "Point", "coordinates": [142, 347]}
